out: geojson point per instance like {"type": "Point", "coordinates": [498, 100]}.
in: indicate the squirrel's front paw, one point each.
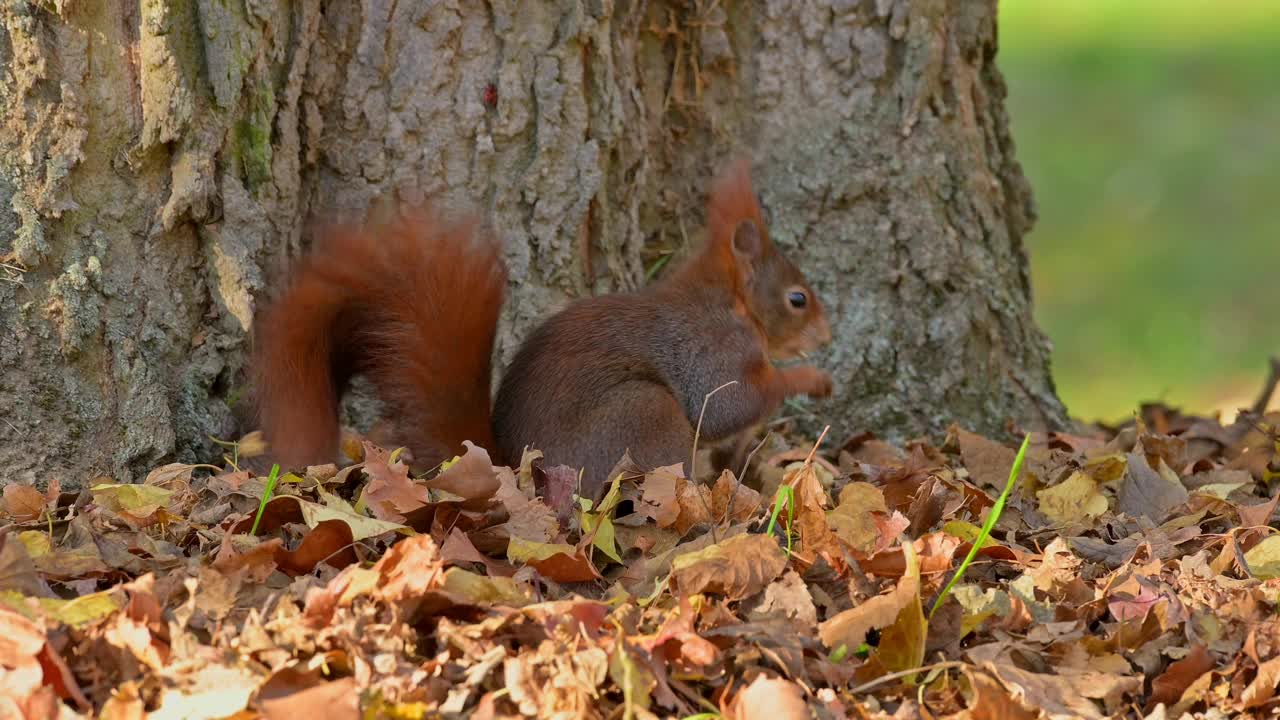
{"type": "Point", "coordinates": [811, 381]}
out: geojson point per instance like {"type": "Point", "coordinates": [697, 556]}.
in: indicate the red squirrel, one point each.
{"type": "Point", "coordinates": [414, 304]}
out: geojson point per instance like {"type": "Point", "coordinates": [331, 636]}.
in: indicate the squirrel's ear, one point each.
{"type": "Point", "coordinates": [746, 240]}
{"type": "Point", "coordinates": [747, 246]}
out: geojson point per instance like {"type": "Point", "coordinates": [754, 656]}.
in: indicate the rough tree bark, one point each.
{"type": "Point", "coordinates": [163, 158]}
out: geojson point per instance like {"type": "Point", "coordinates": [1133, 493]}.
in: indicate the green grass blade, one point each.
{"type": "Point", "coordinates": [266, 497]}
{"type": "Point", "coordinates": [786, 496]}
{"type": "Point", "coordinates": [992, 517]}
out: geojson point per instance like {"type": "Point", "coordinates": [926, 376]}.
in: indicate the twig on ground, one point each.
{"type": "Point", "coordinates": [693, 456]}
{"type": "Point", "coordinates": [1268, 388]}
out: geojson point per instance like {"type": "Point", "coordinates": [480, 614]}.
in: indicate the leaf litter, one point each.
{"type": "Point", "coordinates": [1134, 571]}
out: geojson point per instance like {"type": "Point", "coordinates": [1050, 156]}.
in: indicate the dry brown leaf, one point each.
{"type": "Point", "coordinates": [788, 597]}
{"type": "Point", "coordinates": [558, 561]}
{"type": "Point", "coordinates": [458, 549]}
{"type": "Point", "coordinates": [329, 542]}
{"type": "Point", "coordinates": [658, 498]}
{"type": "Point", "coordinates": [410, 569]}
{"type": "Point", "coordinates": [988, 462]}
{"type": "Point", "coordinates": [23, 503]}
{"type": "Point", "coordinates": [731, 501]}
{"type": "Point", "coordinates": [257, 557]}
{"type": "Point", "coordinates": [547, 683]}
{"type": "Point", "coordinates": [390, 493]}
{"type": "Point", "coordinates": [18, 572]}
{"type": "Point", "coordinates": [528, 518]}
{"type": "Point", "coordinates": [849, 628]}
{"type": "Point", "coordinates": [470, 477]}
{"type": "Point", "coordinates": [338, 699]}
{"type": "Point", "coordinates": [1168, 687]}
{"type": "Point", "coordinates": [1074, 500]}
{"type": "Point", "coordinates": [1149, 493]}
{"type": "Point", "coordinates": [1263, 687]}
{"type": "Point", "coordinates": [736, 568]}
{"type": "Point", "coordinates": [679, 642]}
{"type": "Point", "coordinates": [991, 701]}
{"type": "Point", "coordinates": [769, 699]}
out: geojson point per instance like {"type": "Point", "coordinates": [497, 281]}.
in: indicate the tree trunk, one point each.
{"type": "Point", "coordinates": [163, 160]}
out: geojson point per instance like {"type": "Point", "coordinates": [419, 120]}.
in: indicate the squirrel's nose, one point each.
{"type": "Point", "coordinates": [824, 331]}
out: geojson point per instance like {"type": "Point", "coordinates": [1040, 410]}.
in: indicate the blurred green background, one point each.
{"type": "Point", "coordinates": [1151, 135]}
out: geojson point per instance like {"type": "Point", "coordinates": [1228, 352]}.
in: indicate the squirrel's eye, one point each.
{"type": "Point", "coordinates": [797, 299]}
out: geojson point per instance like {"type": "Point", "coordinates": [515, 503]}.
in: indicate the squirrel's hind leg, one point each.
{"type": "Point", "coordinates": [639, 417]}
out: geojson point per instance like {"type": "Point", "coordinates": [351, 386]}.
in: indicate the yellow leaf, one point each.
{"type": "Point", "coordinates": [37, 543]}
{"type": "Point", "coordinates": [902, 644]}
{"type": "Point", "coordinates": [1107, 468]}
{"type": "Point", "coordinates": [481, 589]}
{"type": "Point", "coordinates": [137, 500]}
{"type": "Point", "coordinates": [361, 526]}
{"type": "Point", "coordinates": [363, 582]}
{"type": "Point", "coordinates": [75, 612]}
{"type": "Point", "coordinates": [1219, 491]}
{"type": "Point", "coordinates": [1263, 559]}
{"type": "Point", "coordinates": [84, 609]}
{"type": "Point", "coordinates": [979, 605]}
{"type": "Point", "coordinates": [524, 551]}
{"type": "Point", "coordinates": [967, 532]}
{"type": "Point", "coordinates": [1074, 500]}
{"type": "Point", "coordinates": [852, 520]}
{"type": "Point", "coordinates": [601, 522]}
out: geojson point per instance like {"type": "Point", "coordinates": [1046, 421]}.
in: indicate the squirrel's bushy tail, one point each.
{"type": "Point", "coordinates": [412, 303]}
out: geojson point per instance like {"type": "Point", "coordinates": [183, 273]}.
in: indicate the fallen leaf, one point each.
{"type": "Point", "coordinates": [213, 691]}
{"type": "Point", "coordinates": [988, 462]}
{"type": "Point", "coordinates": [902, 642]}
{"type": "Point", "coordinates": [1263, 559]}
{"type": "Point", "coordinates": [733, 502]}
{"type": "Point", "coordinates": [337, 699]}
{"type": "Point", "coordinates": [1263, 687]}
{"type": "Point", "coordinates": [409, 569]}
{"type": "Point", "coordinates": [17, 571]}
{"type": "Point", "coordinates": [1073, 500]}
{"type": "Point", "coordinates": [559, 561]}
{"type": "Point", "coordinates": [470, 476]}
{"type": "Point", "coordinates": [458, 549]}
{"type": "Point", "coordinates": [330, 542]}
{"type": "Point", "coordinates": [991, 701]}
{"type": "Point", "coordinates": [390, 493]}
{"type": "Point", "coordinates": [23, 503]}
{"type": "Point", "coordinates": [246, 552]}
{"type": "Point", "coordinates": [362, 527]}
{"type": "Point", "coordinates": [139, 501]}
{"type": "Point", "coordinates": [1258, 514]}
{"type": "Point", "coordinates": [1168, 687]}
{"type": "Point", "coordinates": [483, 590]}
{"type": "Point", "coordinates": [633, 677]}
{"type": "Point", "coordinates": [736, 568]}
{"type": "Point", "coordinates": [658, 500]}
{"type": "Point", "coordinates": [528, 518]}
{"type": "Point", "coordinates": [769, 699]}
{"type": "Point", "coordinates": [787, 597]}
{"type": "Point", "coordinates": [849, 628]}
{"type": "Point", "coordinates": [678, 640]}
{"type": "Point", "coordinates": [1148, 493]}
{"type": "Point", "coordinates": [558, 485]}
{"type": "Point", "coordinates": [853, 521]}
